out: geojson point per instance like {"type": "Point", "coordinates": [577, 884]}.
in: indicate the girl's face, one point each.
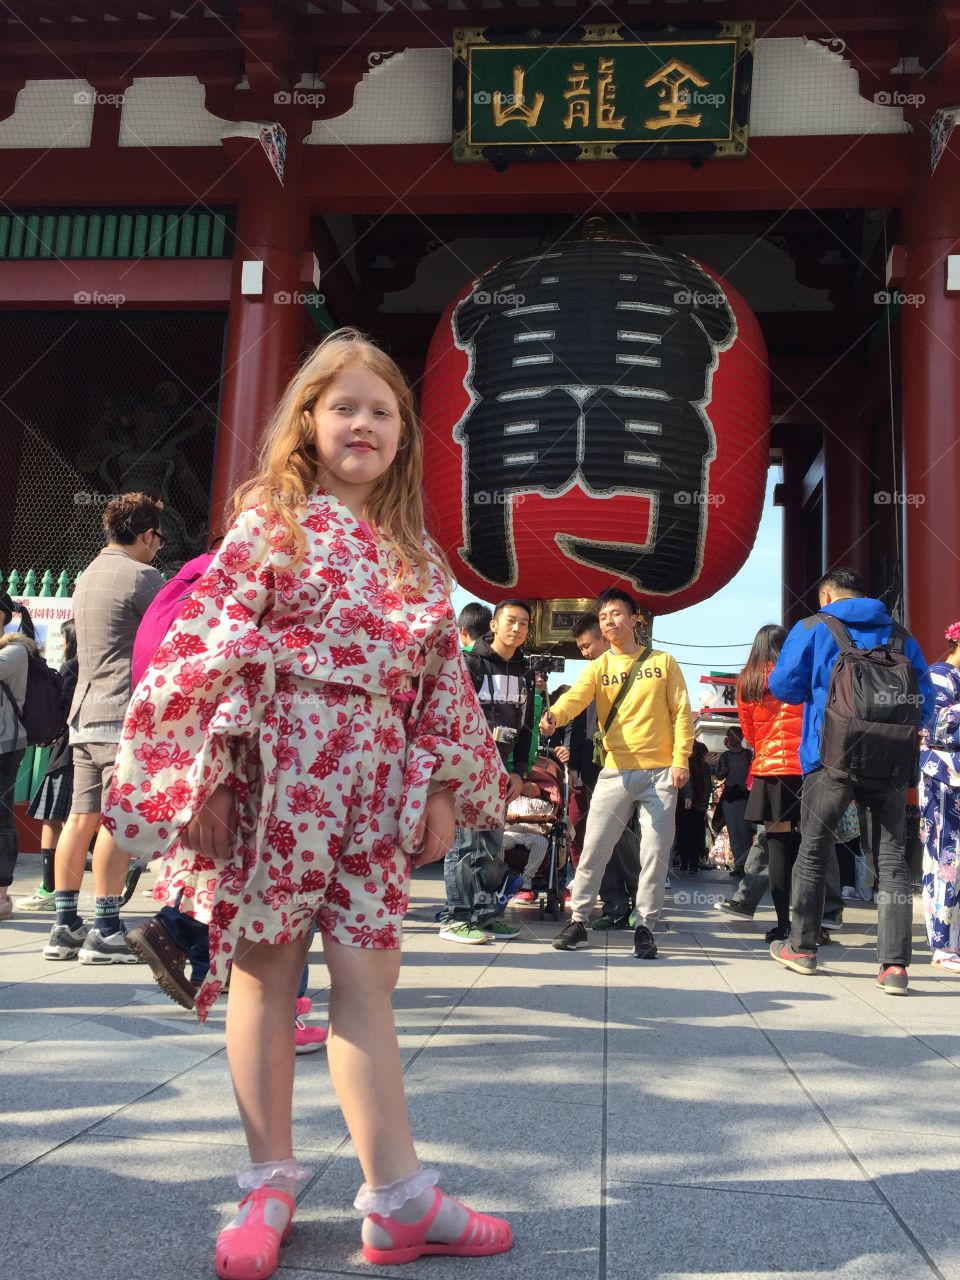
{"type": "Point", "coordinates": [357, 429]}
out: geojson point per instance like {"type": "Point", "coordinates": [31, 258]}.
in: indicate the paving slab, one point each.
{"type": "Point", "coordinates": [911, 1170]}
{"type": "Point", "coordinates": [118, 1207]}
{"type": "Point", "coordinates": [198, 1106]}
{"type": "Point", "coordinates": [678, 1233]}
{"type": "Point", "coordinates": [45, 1105]}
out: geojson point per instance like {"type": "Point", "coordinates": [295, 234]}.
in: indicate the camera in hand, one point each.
{"type": "Point", "coordinates": [502, 734]}
{"type": "Point", "coordinates": [545, 662]}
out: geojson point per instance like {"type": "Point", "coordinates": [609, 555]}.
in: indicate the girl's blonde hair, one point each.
{"type": "Point", "coordinates": [288, 467]}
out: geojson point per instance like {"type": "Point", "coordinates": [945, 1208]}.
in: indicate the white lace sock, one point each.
{"type": "Point", "coordinates": [279, 1175]}
{"type": "Point", "coordinates": [408, 1200]}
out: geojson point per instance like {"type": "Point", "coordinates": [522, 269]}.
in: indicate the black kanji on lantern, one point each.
{"type": "Point", "coordinates": [590, 365]}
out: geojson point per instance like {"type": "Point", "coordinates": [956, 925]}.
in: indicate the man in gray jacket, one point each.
{"type": "Point", "coordinates": [110, 598]}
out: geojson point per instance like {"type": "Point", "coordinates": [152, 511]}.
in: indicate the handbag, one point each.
{"type": "Point", "coordinates": [599, 748]}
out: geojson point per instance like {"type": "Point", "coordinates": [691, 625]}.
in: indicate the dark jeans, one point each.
{"type": "Point", "coordinates": [193, 937]}
{"type": "Point", "coordinates": [474, 873]}
{"type": "Point", "coordinates": [823, 801]}
{"type": "Point", "coordinates": [9, 848]}
{"type": "Point", "coordinates": [619, 882]}
{"type": "Point", "coordinates": [847, 854]}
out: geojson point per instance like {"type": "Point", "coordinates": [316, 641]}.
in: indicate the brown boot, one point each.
{"type": "Point", "coordinates": [151, 942]}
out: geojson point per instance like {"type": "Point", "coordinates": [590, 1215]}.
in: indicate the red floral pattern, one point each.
{"type": "Point", "coordinates": [330, 699]}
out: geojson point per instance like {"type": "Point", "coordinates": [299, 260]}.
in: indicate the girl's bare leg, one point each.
{"type": "Point", "coordinates": [365, 1068]}
{"type": "Point", "coordinates": [260, 1043]}
{"type": "Point", "coordinates": [260, 1050]}
{"type": "Point", "coordinates": [364, 1060]}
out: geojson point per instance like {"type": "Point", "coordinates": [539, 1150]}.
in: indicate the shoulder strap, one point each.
{"type": "Point", "coordinates": [838, 631]}
{"type": "Point", "coordinates": [898, 638]}
{"type": "Point", "coordinates": [5, 688]}
{"type": "Point", "coordinates": [626, 685]}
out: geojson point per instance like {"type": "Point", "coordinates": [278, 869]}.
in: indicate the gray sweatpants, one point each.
{"type": "Point", "coordinates": [615, 797]}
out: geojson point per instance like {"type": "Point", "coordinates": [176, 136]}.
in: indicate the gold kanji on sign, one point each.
{"type": "Point", "coordinates": [674, 80]}
{"type": "Point", "coordinates": [516, 108]}
{"type": "Point", "coordinates": [578, 94]}
{"type": "Point", "coordinates": [606, 93]}
{"type": "Point", "coordinates": [578, 97]}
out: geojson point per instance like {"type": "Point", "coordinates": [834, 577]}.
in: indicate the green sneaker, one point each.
{"type": "Point", "coordinates": [610, 922]}
{"type": "Point", "coordinates": [501, 930]}
{"type": "Point", "coordinates": [465, 933]}
{"type": "Point", "coordinates": [39, 900]}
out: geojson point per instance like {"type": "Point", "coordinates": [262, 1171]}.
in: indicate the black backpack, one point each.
{"type": "Point", "coordinates": [44, 712]}
{"type": "Point", "coordinates": [872, 718]}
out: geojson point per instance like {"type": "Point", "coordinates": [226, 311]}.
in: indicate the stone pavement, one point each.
{"type": "Point", "coordinates": [707, 1114]}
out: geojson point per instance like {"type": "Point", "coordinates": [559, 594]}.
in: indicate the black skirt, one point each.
{"type": "Point", "coordinates": [52, 801]}
{"type": "Point", "coordinates": [774, 799]}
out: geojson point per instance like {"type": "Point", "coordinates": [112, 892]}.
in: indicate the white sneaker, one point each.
{"type": "Point", "coordinates": [65, 943]}
{"type": "Point", "coordinates": [111, 949]}
{"type": "Point", "coordinates": [39, 900]}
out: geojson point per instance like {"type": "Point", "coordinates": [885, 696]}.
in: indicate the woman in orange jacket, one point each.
{"type": "Point", "coordinates": [773, 729]}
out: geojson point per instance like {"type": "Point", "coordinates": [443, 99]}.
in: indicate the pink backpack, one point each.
{"type": "Point", "coordinates": [163, 611]}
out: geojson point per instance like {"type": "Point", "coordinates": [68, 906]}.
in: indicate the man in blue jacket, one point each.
{"type": "Point", "coordinates": [802, 674]}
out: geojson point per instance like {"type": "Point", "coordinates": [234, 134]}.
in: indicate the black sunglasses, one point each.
{"type": "Point", "coordinates": [161, 536]}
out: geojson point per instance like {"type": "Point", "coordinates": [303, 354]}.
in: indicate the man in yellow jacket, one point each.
{"type": "Point", "coordinates": [646, 751]}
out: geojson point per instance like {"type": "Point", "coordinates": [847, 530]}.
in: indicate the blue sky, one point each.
{"type": "Point", "coordinates": [696, 636]}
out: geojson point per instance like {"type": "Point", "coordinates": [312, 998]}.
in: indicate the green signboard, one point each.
{"type": "Point", "coordinates": [605, 94]}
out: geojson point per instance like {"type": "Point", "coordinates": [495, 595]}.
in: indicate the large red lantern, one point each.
{"type": "Point", "coordinates": [597, 413]}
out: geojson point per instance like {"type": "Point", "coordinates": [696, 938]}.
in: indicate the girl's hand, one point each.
{"type": "Point", "coordinates": [211, 832]}
{"type": "Point", "coordinates": [434, 833]}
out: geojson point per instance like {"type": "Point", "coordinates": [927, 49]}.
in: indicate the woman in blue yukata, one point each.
{"type": "Point", "coordinates": [940, 812]}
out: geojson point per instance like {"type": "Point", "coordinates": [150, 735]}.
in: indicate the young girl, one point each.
{"type": "Point", "coordinates": [304, 731]}
{"type": "Point", "coordinates": [773, 730]}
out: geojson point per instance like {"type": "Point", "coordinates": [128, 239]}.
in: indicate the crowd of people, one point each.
{"type": "Point", "coordinates": [296, 720]}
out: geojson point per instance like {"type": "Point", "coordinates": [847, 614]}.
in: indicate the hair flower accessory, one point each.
{"type": "Point", "coordinates": [952, 632]}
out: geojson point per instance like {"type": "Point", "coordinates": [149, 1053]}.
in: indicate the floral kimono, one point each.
{"type": "Point", "coordinates": [330, 699]}
{"type": "Point", "coordinates": [940, 812]}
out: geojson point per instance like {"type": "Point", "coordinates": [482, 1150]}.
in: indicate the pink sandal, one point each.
{"type": "Point", "coordinates": [251, 1250]}
{"type": "Point", "coordinates": [482, 1236]}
